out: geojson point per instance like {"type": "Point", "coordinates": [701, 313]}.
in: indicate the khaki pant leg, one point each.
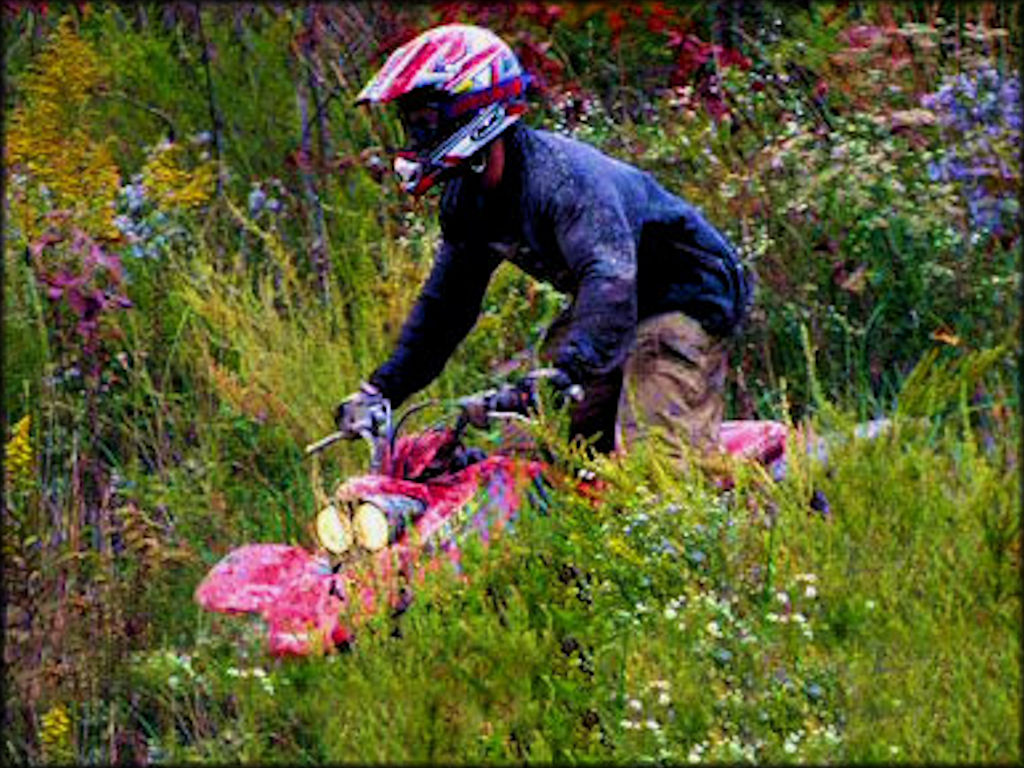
{"type": "Point", "coordinates": [673, 386]}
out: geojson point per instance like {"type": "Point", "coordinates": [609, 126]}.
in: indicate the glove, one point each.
{"type": "Point", "coordinates": [519, 398]}
{"type": "Point", "coordinates": [564, 387]}
{"type": "Point", "coordinates": [366, 410]}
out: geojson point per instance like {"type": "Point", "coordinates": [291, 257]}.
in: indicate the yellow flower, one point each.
{"type": "Point", "coordinates": [55, 735]}
{"type": "Point", "coordinates": [171, 184]}
{"type": "Point", "coordinates": [18, 454]}
{"type": "Point", "coordinates": [49, 141]}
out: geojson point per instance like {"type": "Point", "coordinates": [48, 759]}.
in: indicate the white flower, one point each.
{"type": "Point", "coordinates": [713, 628]}
{"type": "Point", "coordinates": [652, 724]}
{"type": "Point", "coordinates": [635, 705]}
{"type": "Point", "coordinates": [790, 747]}
{"type": "Point", "coordinates": [811, 592]}
{"type": "Point", "coordinates": [670, 613]}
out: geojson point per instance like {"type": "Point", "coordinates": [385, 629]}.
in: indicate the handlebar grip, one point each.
{"type": "Point", "coordinates": [513, 399]}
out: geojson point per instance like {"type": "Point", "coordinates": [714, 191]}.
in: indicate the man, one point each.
{"type": "Point", "coordinates": [655, 289]}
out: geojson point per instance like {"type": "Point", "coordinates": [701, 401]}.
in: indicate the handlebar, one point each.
{"type": "Point", "coordinates": [516, 401]}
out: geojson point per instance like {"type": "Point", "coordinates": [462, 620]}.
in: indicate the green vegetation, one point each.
{"type": "Point", "coordinates": [201, 258]}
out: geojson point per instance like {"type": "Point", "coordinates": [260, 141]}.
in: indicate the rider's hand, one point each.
{"type": "Point", "coordinates": [564, 387]}
{"type": "Point", "coordinates": [363, 411]}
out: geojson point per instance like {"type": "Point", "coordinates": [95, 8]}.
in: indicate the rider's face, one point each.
{"type": "Point", "coordinates": [421, 125]}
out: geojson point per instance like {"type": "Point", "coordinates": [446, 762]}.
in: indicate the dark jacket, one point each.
{"type": "Point", "coordinates": [596, 228]}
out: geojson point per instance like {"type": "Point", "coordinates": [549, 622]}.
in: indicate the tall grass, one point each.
{"type": "Point", "coordinates": [669, 621]}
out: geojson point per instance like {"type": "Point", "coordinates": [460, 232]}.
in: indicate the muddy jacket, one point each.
{"type": "Point", "coordinates": [600, 230]}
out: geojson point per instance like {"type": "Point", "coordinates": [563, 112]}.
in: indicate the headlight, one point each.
{"type": "Point", "coordinates": [334, 530]}
{"type": "Point", "coordinates": [371, 527]}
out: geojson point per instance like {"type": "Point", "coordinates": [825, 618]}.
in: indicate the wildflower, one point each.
{"type": "Point", "coordinates": [722, 655]}
{"type": "Point", "coordinates": [670, 613]}
{"type": "Point", "coordinates": [257, 199]}
{"type": "Point", "coordinates": [18, 453]}
{"type": "Point", "coordinates": [55, 734]}
{"type": "Point", "coordinates": [713, 629]}
{"type": "Point", "coordinates": [810, 591]}
{"type": "Point", "coordinates": [696, 751]}
{"type": "Point", "coordinates": [667, 547]}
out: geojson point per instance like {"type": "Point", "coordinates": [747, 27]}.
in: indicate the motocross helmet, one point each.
{"type": "Point", "coordinates": [457, 86]}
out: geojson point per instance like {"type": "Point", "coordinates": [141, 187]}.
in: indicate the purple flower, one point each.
{"type": "Point", "coordinates": [980, 110]}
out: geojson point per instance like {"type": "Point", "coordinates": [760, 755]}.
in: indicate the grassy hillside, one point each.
{"type": "Point", "coordinates": [203, 255]}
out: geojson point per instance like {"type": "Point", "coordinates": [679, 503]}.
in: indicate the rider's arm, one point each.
{"type": "Point", "coordinates": [444, 312]}
{"type": "Point", "coordinates": [595, 237]}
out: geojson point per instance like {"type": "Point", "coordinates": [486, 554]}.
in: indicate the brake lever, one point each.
{"type": "Point", "coordinates": [510, 415]}
{"type": "Point", "coordinates": [324, 442]}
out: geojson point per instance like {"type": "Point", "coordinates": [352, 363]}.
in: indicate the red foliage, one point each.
{"type": "Point", "coordinates": [615, 25]}
{"type": "Point", "coordinates": [694, 53]}
{"type": "Point", "coordinates": [526, 26]}
{"type": "Point", "coordinates": [12, 9]}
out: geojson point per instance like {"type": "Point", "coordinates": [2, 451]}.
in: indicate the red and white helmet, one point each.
{"type": "Point", "coordinates": [469, 78]}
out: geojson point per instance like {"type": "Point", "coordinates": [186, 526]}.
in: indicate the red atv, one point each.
{"type": "Point", "coordinates": [380, 533]}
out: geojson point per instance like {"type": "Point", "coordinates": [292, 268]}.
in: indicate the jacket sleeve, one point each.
{"type": "Point", "coordinates": [595, 237]}
{"type": "Point", "coordinates": [444, 312]}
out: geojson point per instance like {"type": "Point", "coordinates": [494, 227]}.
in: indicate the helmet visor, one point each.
{"type": "Point", "coordinates": [422, 123]}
